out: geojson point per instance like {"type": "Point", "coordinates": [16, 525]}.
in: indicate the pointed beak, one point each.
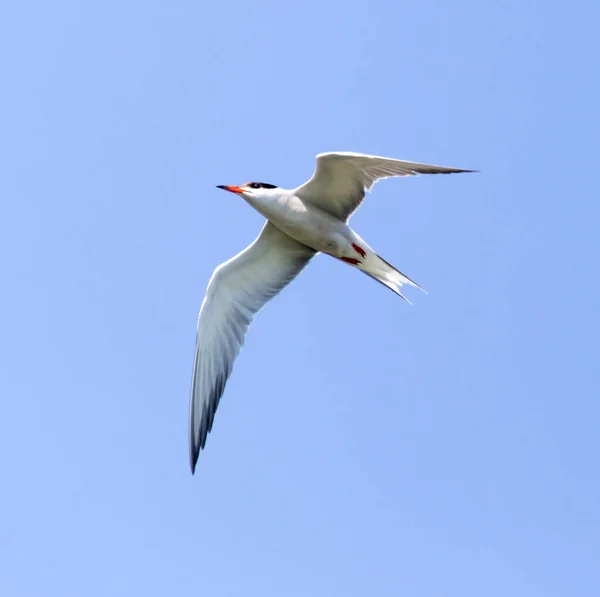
{"type": "Point", "coordinates": [231, 189]}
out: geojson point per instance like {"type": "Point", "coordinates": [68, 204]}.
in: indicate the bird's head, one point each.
{"type": "Point", "coordinates": [253, 190]}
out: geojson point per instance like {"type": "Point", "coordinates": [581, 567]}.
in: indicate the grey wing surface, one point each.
{"type": "Point", "coordinates": [237, 290]}
{"type": "Point", "coordinates": [341, 179]}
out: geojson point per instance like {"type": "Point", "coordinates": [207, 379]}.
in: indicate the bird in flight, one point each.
{"type": "Point", "coordinates": [301, 222]}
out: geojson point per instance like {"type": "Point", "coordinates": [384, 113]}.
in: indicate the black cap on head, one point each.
{"type": "Point", "coordinates": [260, 185]}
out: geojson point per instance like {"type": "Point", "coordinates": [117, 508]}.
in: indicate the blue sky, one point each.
{"type": "Point", "coordinates": [449, 448]}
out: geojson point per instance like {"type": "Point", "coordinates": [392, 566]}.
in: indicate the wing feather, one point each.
{"type": "Point", "coordinates": [341, 179]}
{"type": "Point", "coordinates": [237, 290]}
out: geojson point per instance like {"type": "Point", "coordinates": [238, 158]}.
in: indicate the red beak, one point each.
{"type": "Point", "coordinates": [231, 189]}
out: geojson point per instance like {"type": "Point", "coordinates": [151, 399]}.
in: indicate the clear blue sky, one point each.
{"type": "Point", "coordinates": [449, 448]}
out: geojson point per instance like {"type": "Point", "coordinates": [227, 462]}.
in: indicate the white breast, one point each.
{"type": "Point", "coordinates": [307, 224]}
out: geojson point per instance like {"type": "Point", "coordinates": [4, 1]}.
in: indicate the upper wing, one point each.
{"type": "Point", "coordinates": [340, 179]}
{"type": "Point", "coordinates": [237, 290]}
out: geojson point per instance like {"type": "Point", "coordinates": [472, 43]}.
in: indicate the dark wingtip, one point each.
{"type": "Point", "coordinates": [448, 171]}
{"type": "Point", "coordinates": [194, 460]}
{"type": "Point", "coordinates": [459, 171]}
{"type": "Point", "coordinates": [194, 451]}
{"type": "Point", "coordinates": [198, 435]}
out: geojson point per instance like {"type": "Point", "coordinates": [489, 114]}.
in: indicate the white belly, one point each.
{"type": "Point", "coordinates": [315, 228]}
{"type": "Point", "coordinates": [309, 225]}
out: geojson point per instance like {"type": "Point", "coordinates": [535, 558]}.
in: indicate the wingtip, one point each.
{"type": "Point", "coordinates": [459, 171]}
{"type": "Point", "coordinates": [194, 453]}
{"type": "Point", "coordinates": [450, 171]}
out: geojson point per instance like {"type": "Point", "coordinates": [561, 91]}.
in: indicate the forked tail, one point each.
{"type": "Point", "coordinates": [385, 273]}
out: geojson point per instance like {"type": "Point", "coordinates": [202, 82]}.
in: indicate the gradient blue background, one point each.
{"type": "Point", "coordinates": [363, 447]}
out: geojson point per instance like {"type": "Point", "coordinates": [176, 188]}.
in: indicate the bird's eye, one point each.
{"type": "Point", "coordinates": [255, 185]}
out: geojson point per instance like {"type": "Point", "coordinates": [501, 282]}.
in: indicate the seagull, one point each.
{"type": "Point", "coordinates": [301, 222]}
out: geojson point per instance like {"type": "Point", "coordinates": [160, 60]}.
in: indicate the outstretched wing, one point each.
{"type": "Point", "coordinates": [237, 290]}
{"type": "Point", "coordinates": [341, 179]}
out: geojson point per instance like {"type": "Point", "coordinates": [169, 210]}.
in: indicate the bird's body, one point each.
{"type": "Point", "coordinates": [301, 222]}
{"type": "Point", "coordinates": [307, 223]}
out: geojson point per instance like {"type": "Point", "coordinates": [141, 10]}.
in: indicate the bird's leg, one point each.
{"type": "Point", "coordinates": [350, 260]}
{"type": "Point", "coordinates": [359, 250]}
